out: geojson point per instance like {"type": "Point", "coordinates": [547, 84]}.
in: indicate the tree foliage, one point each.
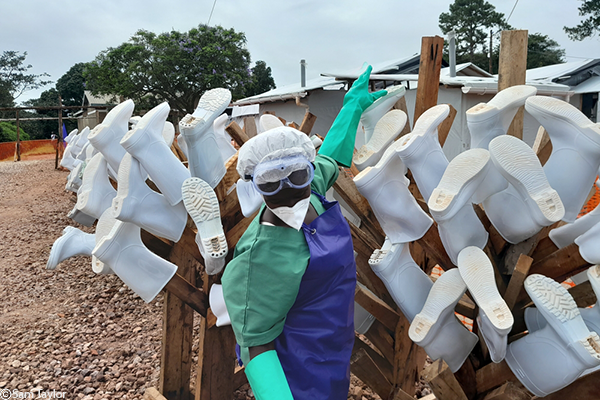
{"type": "Point", "coordinates": [542, 51]}
{"type": "Point", "coordinates": [14, 79]}
{"type": "Point", "coordinates": [261, 79]}
{"type": "Point", "coordinates": [176, 67]}
{"type": "Point", "coordinates": [590, 25]}
{"type": "Point", "coordinates": [471, 20]}
{"type": "Point", "coordinates": [71, 85]}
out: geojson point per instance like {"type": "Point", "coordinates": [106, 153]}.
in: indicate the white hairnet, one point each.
{"type": "Point", "coordinates": [275, 143]}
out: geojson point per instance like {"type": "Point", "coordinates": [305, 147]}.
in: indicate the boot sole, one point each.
{"type": "Point", "coordinates": [386, 130]}
{"type": "Point", "coordinates": [427, 124]}
{"type": "Point", "coordinates": [459, 175]}
{"type": "Point", "coordinates": [202, 204]}
{"type": "Point", "coordinates": [211, 105]}
{"type": "Point", "coordinates": [447, 290]}
{"type": "Point", "coordinates": [517, 162]}
{"type": "Point", "coordinates": [509, 98]}
{"type": "Point", "coordinates": [560, 310]}
{"type": "Point", "coordinates": [478, 273]}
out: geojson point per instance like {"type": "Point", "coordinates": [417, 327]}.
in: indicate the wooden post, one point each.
{"type": "Point", "coordinates": [429, 74]}
{"type": "Point", "coordinates": [59, 137]}
{"type": "Point", "coordinates": [178, 324]}
{"type": "Point", "coordinates": [511, 70]}
{"type": "Point", "coordinates": [18, 144]}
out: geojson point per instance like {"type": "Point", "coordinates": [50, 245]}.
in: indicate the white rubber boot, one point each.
{"type": "Point", "coordinates": [462, 230]}
{"type": "Point", "coordinates": [146, 144]}
{"type": "Point", "coordinates": [203, 206]}
{"type": "Point", "coordinates": [529, 203]}
{"type": "Point", "coordinates": [216, 302]}
{"type": "Point", "coordinates": [421, 151]}
{"type": "Point", "coordinates": [105, 224]}
{"type": "Point", "coordinates": [316, 141]}
{"type": "Point", "coordinates": [566, 234]}
{"type": "Point", "coordinates": [589, 245]}
{"type": "Point", "coordinates": [386, 130]}
{"type": "Point", "coordinates": [96, 193]}
{"type": "Point", "coordinates": [135, 202]}
{"type": "Point", "coordinates": [385, 187]}
{"type": "Point", "coordinates": [90, 152]}
{"type": "Point", "coordinates": [250, 200]}
{"type": "Point", "coordinates": [223, 138]}
{"type": "Point", "coordinates": [182, 144]}
{"type": "Point", "coordinates": [67, 160]}
{"type": "Point", "coordinates": [362, 319]}
{"type": "Point", "coordinates": [106, 136]}
{"type": "Point", "coordinates": [140, 269]}
{"type": "Point", "coordinates": [82, 140]}
{"type": "Point", "coordinates": [80, 217]}
{"type": "Point", "coordinates": [74, 179]}
{"type": "Point", "coordinates": [71, 135]}
{"type": "Point", "coordinates": [495, 317]}
{"type": "Point", "coordinates": [549, 359]}
{"type": "Point", "coordinates": [204, 157]}
{"type": "Point", "coordinates": [408, 284]}
{"type": "Point", "coordinates": [573, 164]}
{"type": "Point", "coordinates": [268, 122]}
{"type": "Point", "coordinates": [437, 330]}
{"type": "Point", "coordinates": [371, 116]}
{"type": "Point", "coordinates": [73, 242]}
{"type": "Point", "coordinates": [487, 121]}
{"type": "Point", "coordinates": [168, 133]}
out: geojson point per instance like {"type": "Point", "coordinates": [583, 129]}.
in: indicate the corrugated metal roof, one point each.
{"type": "Point", "coordinates": [551, 72]}
{"type": "Point", "coordinates": [100, 100]}
{"type": "Point", "coordinates": [591, 85]}
{"type": "Point", "coordinates": [289, 91]}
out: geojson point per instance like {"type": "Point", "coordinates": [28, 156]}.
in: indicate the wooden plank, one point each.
{"type": "Point", "coordinates": [516, 281]}
{"type": "Point", "coordinates": [229, 179]}
{"type": "Point", "coordinates": [512, 66]}
{"type": "Point", "coordinates": [467, 379]}
{"type": "Point", "coordinates": [376, 307]}
{"type": "Point", "coordinates": [544, 248]}
{"type": "Point", "coordinates": [442, 382]}
{"type": "Point", "coordinates": [250, 127]}
{"type": "Point", "coordinates": [239, 378]}
{"type": "Point", "coordinates": [409, 358]}
{"type": "Point", "coordinates": [400, 394]}
{"type": "Point", "coordinates": [216, 358]}
{"type": "Point", "coordinates": [561, 264]}
{"type": "Point", "coordinates": [177, 332]}
{"type": "Point", "coordinates": [384, 365]}
{"type": "Point", "coordinates": [508, 391]}
{"type": "Point", "coordinates": [585, 388]}
{"type": "Point", "coordinates": [307, 122]}
{"type": "Point", "coordinates": [367, 371]}
{"type": "Point", "coordinates": [382, 340]}
{"type": "Point", "coordinates": [294, 125]}
{"type": "Point", "coordinates": [444, 128]}
{"type": "Point", "coordinates": [583, 294]}
{"type": "Point", "coordinates": [153, 394]}
{"type": "Point", "coordinates": [188, 293]}
{"type": "Point", "coordinates": [429, 74]}
{"type": "Point", "coordinates": [345, 187]}
{"type": "Point", "coordinates": [542, 146]}
{"type": "Point", "coordinates": [180, 154]}
{"type": "Point", "coordinates": [237, 133]}
{"type": "Point", "coordinates": [432, 244]}
{"type": "Point", "coordinates": [493, 375]}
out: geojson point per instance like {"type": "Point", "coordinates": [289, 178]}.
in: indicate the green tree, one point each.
{"type": "Point", "coordinates": [71, 85]}
{"type": "Point", "coordinates": [261, 80]}
{"type": "Point", "coordinates": [43, 129]}
{"type": "Point", "coordinates": [177, 67]}
{"type": "Point", "coordinates": [542, 51]}
{"type": "Point", "coordinates": [471, 20]}
{"type": "Point", "coordinates": [590, 25]}
{"type": "Point", "coordinates": [14, 79]}
{"type": "Point", "coordinates": [8, 132]}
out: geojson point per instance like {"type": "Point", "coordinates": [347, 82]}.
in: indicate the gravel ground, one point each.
{"type": "Point", "coordinates": [70, 330]}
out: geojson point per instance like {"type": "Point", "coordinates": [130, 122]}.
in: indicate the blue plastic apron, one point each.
{"type": "Point", "coordinates": [317, 339]}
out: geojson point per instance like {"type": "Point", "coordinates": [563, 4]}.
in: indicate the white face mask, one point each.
{"type": "Point", "coordinates": [293, 216]}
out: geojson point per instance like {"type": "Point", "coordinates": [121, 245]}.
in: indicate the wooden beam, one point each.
{"type": "Point", "coordinates": [508, 391]}
{"type": "Point", "coordinates": [188, 293]}
{"type": "Point", "coordinates": [442, 382]}
{"type": "Point", "coordinates": [429, 74]}
{"type": "Point", "coordinates": [444, 128]}
{"type": "Point", "coordinates": [382, 340]}
{"type": "Point", "coordinates": [177, 332]}
{"type": "Point", "coordinates": [512, 66]}
{"type": "Point", "coordinates": [229, 179]}
{"type": "Point", "coordinates": [561, 264]}
{"type": "Point", "coordinates": [367, 371]}
{"type": "Point", "coordinates": [432, 244]}
{"type": "Point", "coordinates": [583, 294]}
{"type": "Point", "coordinates": [237, 133]}
{"type": "Point", "coordinates": [376, 307]}
{"type": "Point", "coordinates": [153, 394]}
{"type": "Point", "coordinates": [542, 145]}
{"type": "Point", "coordinates": [308, 122]}
{"type": "Point", "coordinates": [493, 375]}
{"type": "Point", "coordinates": [294, 125]}
{"type": "Point", "coordinates": [384, 365]}
{"type": "Point", "coordinates": [467, 379]}
{"type": "Point", "coordinates": [250, 127]}
{"type": "Point", "coordinates": [409, 358]}
{"type": "Point", "coordinates": [516, 281]}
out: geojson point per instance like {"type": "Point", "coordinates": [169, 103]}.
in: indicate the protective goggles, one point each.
{"type": "Point", "coordinates": [272, 176]}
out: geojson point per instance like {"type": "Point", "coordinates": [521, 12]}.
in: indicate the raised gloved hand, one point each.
{"type": "Point", "coordinates": [266, 377]}
{"type": "Point", "coordinates": [339, 142]}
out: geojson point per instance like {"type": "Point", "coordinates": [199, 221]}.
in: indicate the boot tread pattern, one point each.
{"type": "Point", "coordinates": [552, 296]}
{"type": "Point", "coordinates": [561, 109]}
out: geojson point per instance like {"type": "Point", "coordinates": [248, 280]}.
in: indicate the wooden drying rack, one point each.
{"type": "Point", "coordinates": [389, 363]}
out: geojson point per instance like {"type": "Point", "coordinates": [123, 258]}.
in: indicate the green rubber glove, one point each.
{"type": "Point", "coordinates": [266, 377]}
{"type": "Point", "coordinates": [339, 142]}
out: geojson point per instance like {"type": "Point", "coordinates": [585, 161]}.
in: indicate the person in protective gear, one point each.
{"type": "Point", "coordinates": [289, 289]}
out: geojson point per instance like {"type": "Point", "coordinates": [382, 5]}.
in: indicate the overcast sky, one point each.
{"type": "Point", "coordinates": [332, 35]}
